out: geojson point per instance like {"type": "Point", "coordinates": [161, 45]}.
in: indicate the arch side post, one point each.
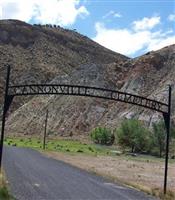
{"type": "Point", "coordinates": [167, 119]}
{"type": "Point", "coordinates": [7, 102]}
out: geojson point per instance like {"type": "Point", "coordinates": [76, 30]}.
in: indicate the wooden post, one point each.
{"type": "Point", "coordinates": [45, 131]}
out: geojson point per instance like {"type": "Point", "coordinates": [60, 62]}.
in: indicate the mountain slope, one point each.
{"type": "Point", "coordinates": [38, 53]}
{"type": "Point", "coordinates": [75, 59]}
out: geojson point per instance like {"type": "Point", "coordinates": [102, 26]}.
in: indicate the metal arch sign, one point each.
{"type": "Point", "coordinates": [78, 90]}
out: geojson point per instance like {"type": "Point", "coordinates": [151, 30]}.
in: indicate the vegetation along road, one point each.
{"type": "Point", "coordinates": [32, 176]}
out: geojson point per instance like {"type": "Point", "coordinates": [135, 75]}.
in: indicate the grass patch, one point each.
{"type": "Point", "coordinates": [60, 145]}
{"type": "Point", "coordinates": [76, 147]}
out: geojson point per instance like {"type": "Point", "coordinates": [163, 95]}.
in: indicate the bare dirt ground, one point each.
{"type": "Point", "coordinates": [147, 174]}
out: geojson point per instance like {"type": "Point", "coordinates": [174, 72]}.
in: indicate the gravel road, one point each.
{"type": "Point", "coordinates": [33, 176]}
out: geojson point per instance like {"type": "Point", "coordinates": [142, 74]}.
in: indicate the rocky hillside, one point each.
{"type": "Point", "coordinates": [38, 53]}
{"type": "Point", "coordinates": [55, 55]}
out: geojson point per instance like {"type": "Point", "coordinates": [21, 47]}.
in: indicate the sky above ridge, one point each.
{"type": "Point", "coordinates": [129, 27]}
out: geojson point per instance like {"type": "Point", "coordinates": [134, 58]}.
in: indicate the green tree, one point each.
{"type": "Point", "coordinates": [159, 137]}
{"type": "Point", "coordinates": [132, 134]}
{"type": "Point", "coordinates": [172, 131]}
{"type": "Point", "coordinates": [102, 135]}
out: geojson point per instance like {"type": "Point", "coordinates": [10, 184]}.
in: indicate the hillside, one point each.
{"type": "Point", "coordinates": [38, 53]}
{"type": "Point", "coordinates": [56, 55]}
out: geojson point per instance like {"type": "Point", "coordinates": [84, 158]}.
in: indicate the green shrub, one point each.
{"type": "Point", "coordinates": [50, 132]}
{"type": "Point", "coordinates": [80, 151]}
{"type": "Point", "coordinates": [132, 134]}
{"type": "Point", "coordinates": [102, 136]}
{"type": "Point", "coordinates": [4, 194]}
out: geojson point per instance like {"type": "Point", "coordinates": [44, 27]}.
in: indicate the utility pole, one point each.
{"type": "Point", "coordinates": [45, 131]}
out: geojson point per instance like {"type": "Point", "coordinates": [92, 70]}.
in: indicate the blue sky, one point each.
{"type": "Point", "coordinates": [130, 27]}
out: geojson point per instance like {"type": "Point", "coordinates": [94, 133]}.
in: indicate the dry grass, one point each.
{"type": "Point", "coordinates": [2, 180]}
{"type": "Point", "coordinates": [144, 174]}
{"type": "Point", "coordinates": [4, 193]}
{"type": "Point", "coordinates": [170, 195]}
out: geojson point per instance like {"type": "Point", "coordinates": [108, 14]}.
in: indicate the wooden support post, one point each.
{"type": "Point", "coordinates": [45, 131]}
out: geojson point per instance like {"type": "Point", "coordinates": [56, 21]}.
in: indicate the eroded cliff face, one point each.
{"type": "Point", "coordinates": [75, 59]}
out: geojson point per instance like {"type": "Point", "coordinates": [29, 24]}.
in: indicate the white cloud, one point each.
{"type": "Point", "coordinates": [130, 42]}
{"type": "Point", "coordinates": [117, 15]}
{"type": "Point", "coordinates": [113, 14]}
{"type": "Point", "coordinates": [159, 41]}
{"type": "Point", "coordinates": [146, 23]}
{"type": "Point", "coordinates": [121, 40]}
{"type": "Point", "coordinates": [62, 12]}
{"type": "Point", "coordinates": [171, 17]}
